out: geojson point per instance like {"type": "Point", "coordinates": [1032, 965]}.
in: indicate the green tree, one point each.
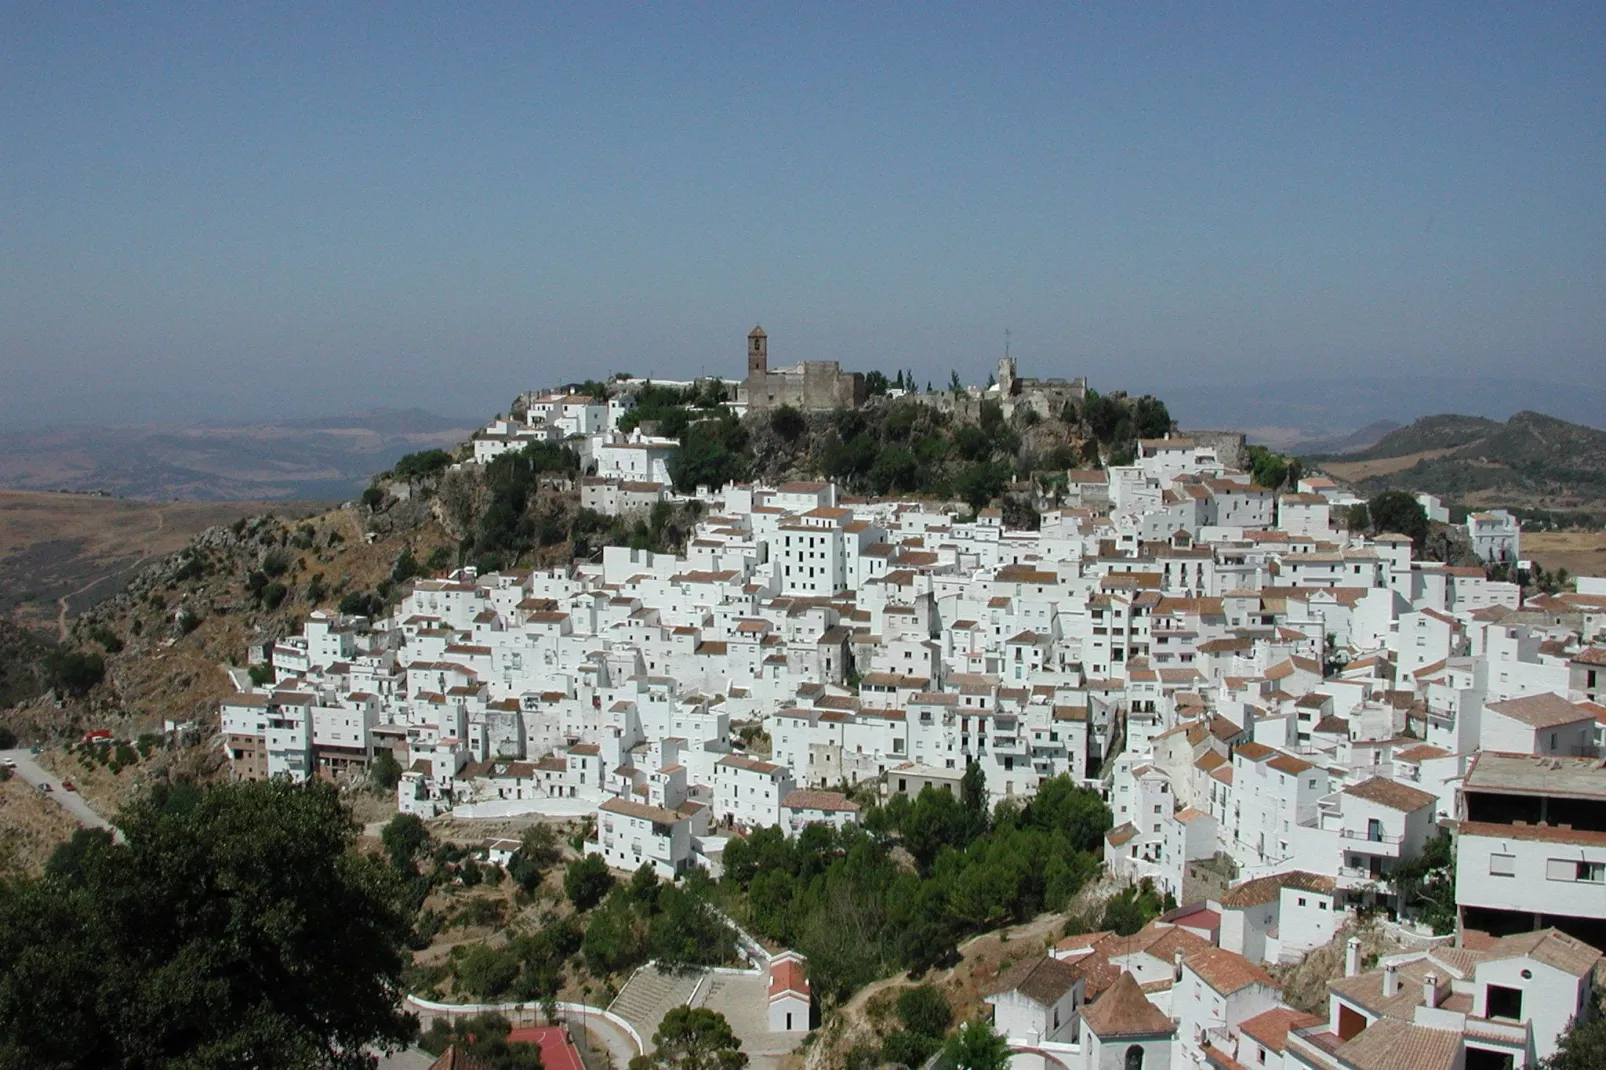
{"type": "Point", "coordinates": [1399, 512]}
{"type": "Point", "coordinates": [1583, 1045]}
{"type": "Point", "coordinates": [788, 422]}
{"type": "Point", "coordinates": [387, 770]}
{"type": "Point", "coordinates": [616, 936]}
{"type": "Point", "coordinates": [688, 932]}
{"type": "Point", "coordinates": [73, 672]}
{"type": "Point", "coordinates": [906, 1048]}
{"type": "Point", "coordinates": [977, 1046]}
{"type": "Point", "coordinates": [1426, 884]}
{"type": "Point", "coordinates": [693, 1038]}
{"type": "Point", "coordinates": [586, 881]}
{"type": "Point", "coordinates": [486, 972]}
{"type": "Point", "coordinates": [422, 465]}
{"type": "Point", "coordinates": [1060, 805]}
{"type": "Point", "coordinates": [924, 1010]}
{"type": "Point", "coordinates": [1150, 417]}
{"type": "Point", "coordinates": [482, 1037]}
{"type": "Point", "coordinates": [1356, 518]}
{"type": "Point", "coordinates": [68, 860]}
{"type": "Point", "coordinates": [234, 927]}
{"type": "Point", "coordinates": [973, 800]}
{"type": "Point", "coordinates": [538, 852]}
{"type": "Point", "coordinates": [979, 484]}
{"type": "Point", "coordinates": [403, 837]}
{"type": "Point", "coordinates": [1132, 908]}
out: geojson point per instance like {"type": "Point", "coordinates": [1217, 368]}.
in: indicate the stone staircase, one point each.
{"type": "Point", "coordinates": [651, 994]}
{"type": "Point", "coordinates": [716, 986]}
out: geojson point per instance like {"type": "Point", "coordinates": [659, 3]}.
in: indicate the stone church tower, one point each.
{"type": "Point", "coordinates": [758, 356]}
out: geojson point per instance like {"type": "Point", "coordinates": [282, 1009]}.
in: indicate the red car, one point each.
{"type": "Point", "coordinates": [68, 785]}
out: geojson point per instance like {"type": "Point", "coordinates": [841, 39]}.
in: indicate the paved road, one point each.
{"type": "Point", "coordinates": [71, 801]}
{"type": "Point", "coordinates": [620, 1047]}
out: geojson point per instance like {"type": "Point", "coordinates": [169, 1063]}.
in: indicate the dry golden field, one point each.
{"type": "Point", "coordinates": [60, 553]}
{"type": "Point", "coordinates": [1582, 553]}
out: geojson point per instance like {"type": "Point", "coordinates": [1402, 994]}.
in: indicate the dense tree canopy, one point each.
{"type": "Point", "coordinates": [977, 1046]}
{"type": "Point", "coordinates": [693, 1038]}
{"type": "Point", "coordinates": [843, 899]}
{"type": "Point", "coordinates": [1399, 512]}
{"type": "Point", "coordinates": [235, 927]}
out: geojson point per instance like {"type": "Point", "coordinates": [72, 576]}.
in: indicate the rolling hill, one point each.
{"type": "Point", "coordinates": [1529, 461]}
{"type": "Point", "coordinates": [325, 458]}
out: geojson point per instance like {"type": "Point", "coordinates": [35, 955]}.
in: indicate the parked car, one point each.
{"type": "Point", "coordinates": [46, 787]}
{"type": "Point", "coordinates": [68, 785]}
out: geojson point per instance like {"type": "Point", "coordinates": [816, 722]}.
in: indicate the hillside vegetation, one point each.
{"type": "Point", "coordinates": [1531, 461]}
{"type": "Point", "coordinates": [935, 445]}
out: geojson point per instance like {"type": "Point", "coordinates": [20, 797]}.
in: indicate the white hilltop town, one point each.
{"type": "Point", "coordinates": [1279, 711]}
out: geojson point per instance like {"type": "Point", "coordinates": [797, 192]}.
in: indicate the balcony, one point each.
{"type": "Point", "coordinates": [1361, 841]}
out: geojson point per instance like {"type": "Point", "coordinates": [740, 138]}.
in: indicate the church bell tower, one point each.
{"type": "Point", "coordinates": [758, 352]}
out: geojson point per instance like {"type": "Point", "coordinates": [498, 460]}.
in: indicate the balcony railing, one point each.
{"type": "Point", "coordinates": [1370, 837]}
{"type": "Point", "coordinates": [1357, 873]}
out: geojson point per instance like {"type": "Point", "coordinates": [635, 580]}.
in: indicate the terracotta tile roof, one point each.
{"type": "Point", "coordinates": [1042, 980]}
{"type": "Point", "coordinates": [1252, 893]}
{"type": "Point", "coordinates": [1227, 971]}
{"type": "Point", "coordinates": [1120, 834]}
{"type": "Point", "coordinates": [1157, 941]}
{"type": "Point", "coordinates": [655, 814]}
{"type": "Point", "coordinates": [1270, 1028]}
{"type": "Point", "coordinates": [1392, 794]}
{"type": "Point", "coordinates": [1540, 711]}
{"type": "Point", "coordinates": [1253, 751]}
{"type": "Point", "coordinates": [1550, 946]}
{"type": "Point", "coordinates": [819, 800]}
{"type": "Point", "coordinates": [788, 976]}
{"type": "Point", "coordinates": [1083, 941]}
{"type": "Point", "coordinates": [1287, 763]}
{"type": "Point", "coordinates": [1389, 1043]}
{"type": "Point", "coordinates": [1123, 1010]}
{"type": "Point", "coordinates": [1420, 753]}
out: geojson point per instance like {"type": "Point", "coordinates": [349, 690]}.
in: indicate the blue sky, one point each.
{"type": "Point", "coordinates": [216, 210]}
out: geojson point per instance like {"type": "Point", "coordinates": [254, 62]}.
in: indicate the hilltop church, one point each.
{"type": "Point", "coordinates": [813, 385]}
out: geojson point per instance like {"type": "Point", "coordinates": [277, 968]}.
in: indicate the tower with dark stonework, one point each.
{"type": "Point", "coordinates": [758, 353]}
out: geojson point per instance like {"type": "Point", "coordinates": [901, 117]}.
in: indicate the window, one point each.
{"type": "Point", "coordinates": [1504, 1003]}
{"type": "Point", "coordinates": [1569, 869]}
{"type": "Point", "coordinates": [1134, 1058]}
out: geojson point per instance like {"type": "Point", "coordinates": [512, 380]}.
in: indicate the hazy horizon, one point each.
{"type": "Point", "coordinates": [236, 211]}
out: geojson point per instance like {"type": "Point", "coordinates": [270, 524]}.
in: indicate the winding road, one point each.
{"type": "Point", "coordinates": [31, 772]}
{"type": "Point", "coordinates": [63, 608]}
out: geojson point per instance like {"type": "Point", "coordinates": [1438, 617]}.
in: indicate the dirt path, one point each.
{"type": "Point", "coordinates": [63, 607]}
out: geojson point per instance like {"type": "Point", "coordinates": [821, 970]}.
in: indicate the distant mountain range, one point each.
{"type": "Point", "coordinates": [1531, 460]}
{"type": "Point", "coordinates": [327, 458]}
{"type": "Point", "coordinates": [1313, 414]}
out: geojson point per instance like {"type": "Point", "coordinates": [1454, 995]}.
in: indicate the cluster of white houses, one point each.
{"type": "Point", "coordinates": [1279, 711]}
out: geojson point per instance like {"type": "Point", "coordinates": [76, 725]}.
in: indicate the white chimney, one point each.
{"type": "Point", "coordinates": [1176, 965]}
{"type": "Point", "coordinates": [1430, 990]}
{"type": "Point", "coordinates": [1391, 981]}
{"type": "Point", "coordinates": [1352, 957]}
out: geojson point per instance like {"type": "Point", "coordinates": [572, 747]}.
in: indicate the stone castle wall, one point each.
{"type": "Point", "coordinates": [815, 385]}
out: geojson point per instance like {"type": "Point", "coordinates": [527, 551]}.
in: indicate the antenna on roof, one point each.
{"type": "Point", "coordinates": [1006, 343]}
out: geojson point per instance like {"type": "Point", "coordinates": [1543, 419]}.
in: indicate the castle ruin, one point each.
{"type": "Point", "coordinates": [813, 385]}
{"type": "Point", "coordinates": [1046, 396]}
